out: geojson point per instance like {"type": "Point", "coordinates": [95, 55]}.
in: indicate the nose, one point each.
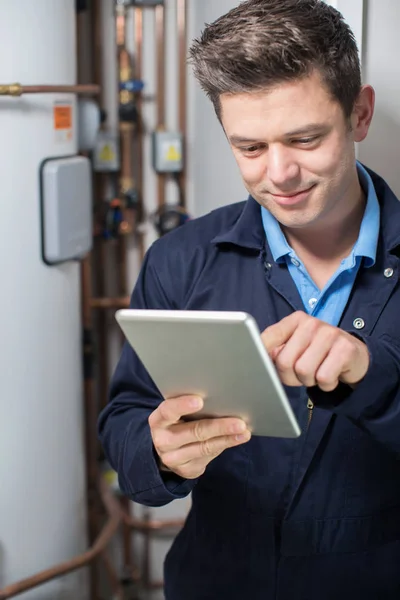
{"type": "Point", "coordinates": [282, 169]}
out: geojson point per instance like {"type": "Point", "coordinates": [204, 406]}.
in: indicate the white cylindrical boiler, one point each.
{"type": "Point", "coordinates": [42, 499]}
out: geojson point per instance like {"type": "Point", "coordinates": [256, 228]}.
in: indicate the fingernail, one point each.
{"type": "Point", "coordinates": [195, 402]}
{"type": "Point", "coordinates": [242, 437]}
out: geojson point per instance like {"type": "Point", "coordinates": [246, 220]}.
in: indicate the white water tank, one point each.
{"type": "Point", "coordinates": [42, 499]}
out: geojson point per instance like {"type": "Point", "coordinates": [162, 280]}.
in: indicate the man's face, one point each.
{"type": "Point", "coordinates": [295, 151]}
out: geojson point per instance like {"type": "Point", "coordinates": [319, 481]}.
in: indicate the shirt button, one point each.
{"type": "Point", "coordinates": [388, 273]}
{"type": "Point", "coordinates": [312, 302]}
{"type": "Point", "coordinates": [295, 262]}
{"type": "Point", "coordinates": [359, 323]}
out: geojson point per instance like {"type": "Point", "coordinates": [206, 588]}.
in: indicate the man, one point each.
{"type": "Point", "coordinates": [313, 256]}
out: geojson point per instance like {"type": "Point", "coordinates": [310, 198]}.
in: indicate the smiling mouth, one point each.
{"type": "Point", "coordinates": [293, 198]}
{"type": "Point", "coordinates": [293, 194]}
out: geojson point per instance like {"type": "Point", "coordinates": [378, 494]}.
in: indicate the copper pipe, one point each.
{"type": "Point", "coordinates": [99, 250]}
{"type": "Point", "coordinates": [90, 405]}
{"type": "Point", "coordinates": [100, 256]}
{"type": "Point", "coordinates": [120, 25]}
{"type": "Point", "coordinates": [127, 181]}
{"type": "Point", "coordinates": [102, 541]}
{"type": "Point", "coordinates": [138, 15]}
{"type": "Point", "coordinates": [86, 290]}
{"type": "Point", "coordinates": [91, 413]}
{"type": "Point", "coordinates": [97, 46]}
{"type": "Point", "coordinates": [127, 540]}
{"type": "Point", "coordinates": [116, 587]}
{"type": "Point", "coordinates": [16, 89]}
{"type": "Point", "coordinates": [182, 33]}
{"type": "Point", "coordinates": [154, 585]}
{"type": "Point", "coordinates": [144, 525]}
{"type": "Point", "coordinates": [160, 41]}
{"type": "Point", "coordinates": [153, 524]}
{"type": "Point", "coordinates": [122, 302]}
{"type": "Point", "coordinates": [126, 132]}
{"type": "Point", "coordinates": [146, 569]}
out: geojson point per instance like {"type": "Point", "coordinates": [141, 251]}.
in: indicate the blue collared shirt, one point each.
{"type": "Point", "coordinates": [328, 304]}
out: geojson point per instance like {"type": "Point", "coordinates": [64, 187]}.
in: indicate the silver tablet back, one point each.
{"type": "Point", "coordinates": [217, 355]}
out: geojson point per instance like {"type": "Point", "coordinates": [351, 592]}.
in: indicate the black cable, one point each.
{"type": "Point", "coordinates": [181, 201]}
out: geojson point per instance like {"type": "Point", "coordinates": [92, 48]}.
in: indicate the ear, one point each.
{"type": "Point", "coordinates": [362, 114]}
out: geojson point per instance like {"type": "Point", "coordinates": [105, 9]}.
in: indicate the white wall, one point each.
{"type": "Point", "coordinates": [214, 177]}
{"type": "Point", "coordinates": [380, 150]}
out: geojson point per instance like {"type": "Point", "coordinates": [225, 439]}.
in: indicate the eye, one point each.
{"type": "Point", "coordinates": [251, 150]}
{"type": "Point", "coordinates": [306, 141]}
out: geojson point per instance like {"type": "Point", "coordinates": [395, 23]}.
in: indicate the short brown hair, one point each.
{"type": "Point", "coordinates": [264, 42]}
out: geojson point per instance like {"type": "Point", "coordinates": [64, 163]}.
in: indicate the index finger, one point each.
{"type": "Point", "coordinates": [172, 410]}
{"type": "Point", "coordinates": [278, 334]}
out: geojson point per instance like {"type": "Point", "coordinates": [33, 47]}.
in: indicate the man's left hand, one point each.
{"type": "Point", "coordinates": [309, 352]}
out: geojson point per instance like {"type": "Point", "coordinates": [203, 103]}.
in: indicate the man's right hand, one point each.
{"type": "Point", "coordinates": [186, 447]}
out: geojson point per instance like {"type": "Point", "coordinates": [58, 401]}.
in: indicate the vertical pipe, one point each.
{"type": "Point", "coordinates": [146, 569]}
{"type": "Point", "coordinates": [138, 14]}
{"type": "Point", "coordinates": [99, 250]}
{"type": "Point", "coordinates": [160, 42]}
{"type": "Point", "coordinates": [91, 446]}
{"type": "Point", "coordinates": [126, 132]}
{"type": "Point", "coordinates": [182, 83]}
{"type": "Point", "coordinates": [90, 406]}
{"type": "Point", "coordinates": [127, 540]}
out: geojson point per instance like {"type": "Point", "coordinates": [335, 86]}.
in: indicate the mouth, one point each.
{"type": "Point", "coordinates": [292, 199]}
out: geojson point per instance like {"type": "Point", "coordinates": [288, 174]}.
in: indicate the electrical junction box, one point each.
{"type": "Point", "coordinates": [66, 208]}
{"type": "Point", "coordinates": [106, 156]}
{"type": "Point", "coordinates": [167, 152]}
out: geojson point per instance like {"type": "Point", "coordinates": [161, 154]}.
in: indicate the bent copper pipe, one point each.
{"type": "Point", "coordinates": [98, 548]}
{"type": "Point", "coordinates": [16, 89]}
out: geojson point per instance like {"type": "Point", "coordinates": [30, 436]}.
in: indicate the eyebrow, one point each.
{"type": "Point", "coordinates": [307, 129]}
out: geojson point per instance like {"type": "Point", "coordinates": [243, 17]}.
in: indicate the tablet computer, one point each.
{"type": "Point", "coordinates": [216, 355]}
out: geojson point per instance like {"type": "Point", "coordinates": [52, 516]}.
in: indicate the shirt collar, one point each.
{"type": "Point", "coordinates": [367, 241]}
{"type": "Point", "coordinates": [247, 231]}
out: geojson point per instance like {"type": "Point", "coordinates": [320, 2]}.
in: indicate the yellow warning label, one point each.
{"type": "Point", "coordinates": [173, 154]}
{"type": "Point", "coordinates": [106, 154]}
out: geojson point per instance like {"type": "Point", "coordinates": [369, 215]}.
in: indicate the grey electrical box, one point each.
{"type": "Point", "coordinates": [167, 152]}
{"type": "Point", "coordinates": [66, 209]}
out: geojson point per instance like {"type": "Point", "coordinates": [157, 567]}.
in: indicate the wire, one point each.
{"type": "Point", "coordinates": [181, 201]}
